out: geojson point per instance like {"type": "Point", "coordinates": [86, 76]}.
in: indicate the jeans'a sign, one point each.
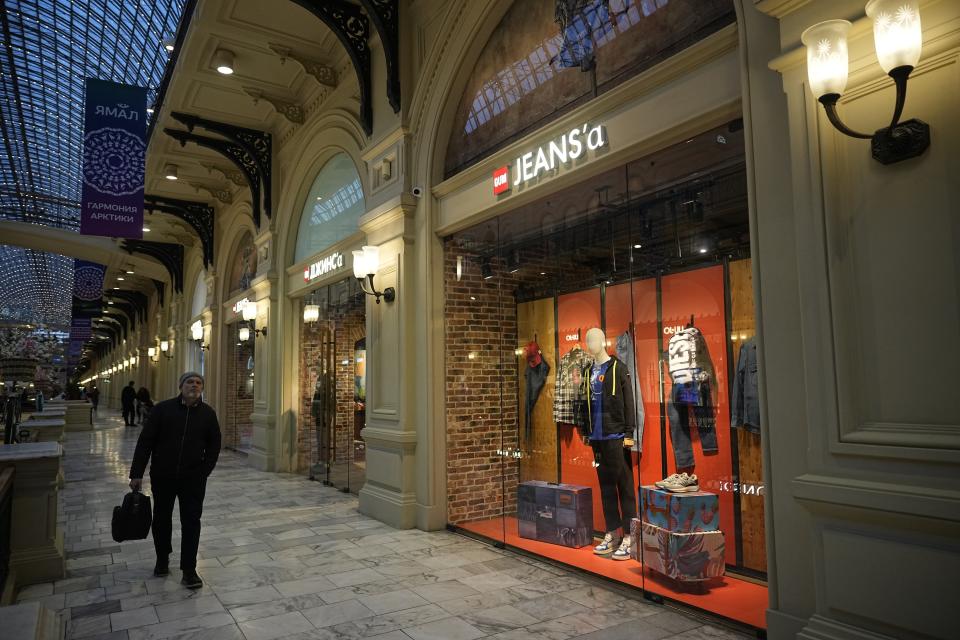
{"type": "Point", "coordinates": [114, 144]}
{"type": "Point", "coordinates": [564, 150]}
{"type": "Point", "coordinates": [319, 268]}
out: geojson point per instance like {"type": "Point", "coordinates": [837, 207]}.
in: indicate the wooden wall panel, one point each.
{"type": "Point", "coordinates": [743, 327]}
{"type": "Point", "coordinates": [536, 319]}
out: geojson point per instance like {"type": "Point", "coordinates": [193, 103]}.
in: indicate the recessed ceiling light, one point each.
{"type": "Point", "coordinates": [130, 272]}
{"type": "Point", "coordinates": [170, 171]}
{"type": "Point", "coordinates": [638, 246]}
{"type": "Point", "coordinates": [116, 288]}
{"type": "Point", "coordinates": [223, 61]}
{"type": "Point", "coordinates": [146, 229]}
{"type": "Point", "coordinates": [149, 109]}
{"type": "Point", "coordinates": [169, 44]}
{"type": "Point", "coordinates": [120, 278]}
{"type": "Point", "coordinates": [703, 250]}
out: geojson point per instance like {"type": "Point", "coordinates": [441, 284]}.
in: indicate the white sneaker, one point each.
{"type": "Point", "coordinates": [623, 553]}
{"type": "Point", "coordinates": [684, 484]}
{"type": "Point", "coordinates": [605, 547]}
{"type": "Point", "coordinates": [669, 480]}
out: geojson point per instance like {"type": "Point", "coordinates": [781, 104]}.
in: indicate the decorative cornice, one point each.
{"type": "Point", "coordinates": [223, 195]}
{"type": "Point", "coordinates": [236, 177]}
{"type": "Point", "coordinates": [289, 110]}
{"type": "Point", "coordinates": [322, 73]}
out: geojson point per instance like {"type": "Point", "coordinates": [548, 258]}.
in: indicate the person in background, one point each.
{"type": "Point", "coordinates": [128, 401]}
{"type": "Point", "coordinates": [181, 440]}
{"type": "Point", "coordinates": [144, 404]}
{"type": "Point", "coordinates": [94, 396]}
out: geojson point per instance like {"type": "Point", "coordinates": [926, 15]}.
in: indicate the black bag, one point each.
{"type": "Point", "coordinates": [132, 519]}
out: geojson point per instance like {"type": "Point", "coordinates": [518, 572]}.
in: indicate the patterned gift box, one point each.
{"type": "Point", "coordinates": [555, 513]}
{"type": "Point", "coordinates": [688, 557]}
{"type": "Point", "coordinates": [680, 512]}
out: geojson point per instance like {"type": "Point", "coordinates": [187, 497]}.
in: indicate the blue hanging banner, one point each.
{"type": "Point", "coordinates": [87, 304]}
{"type": "Point", "coordinates": [114, 147]}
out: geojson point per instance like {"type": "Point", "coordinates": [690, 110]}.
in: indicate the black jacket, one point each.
{"type": "Point", "coordinates": [180, 441]}
{"type": "Point", "coordinates": [618, 404]}
{"type": "Point", "coordinates": [128, 396]}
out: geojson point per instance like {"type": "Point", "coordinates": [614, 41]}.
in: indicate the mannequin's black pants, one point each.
{"type": "Point", "coordinates": [616, 483]}
{"type": "Point", "coordinates": [189, 493]}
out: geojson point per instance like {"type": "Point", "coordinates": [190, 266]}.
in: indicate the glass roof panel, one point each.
{"type": "Point", "coordinates": [47, 49]}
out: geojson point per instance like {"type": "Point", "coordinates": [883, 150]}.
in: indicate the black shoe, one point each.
{"type": "Point", "coordinates": [162, 568]}
{"type": "Point", "coordinates": [191, 580]}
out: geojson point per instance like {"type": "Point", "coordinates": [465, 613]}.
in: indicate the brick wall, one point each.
{"type": "Point", "coordinates": [239, 392]}
{"type": "Point", "coordinates": [347, 322]}
{"type": "Point", "coordinates": [481, 407]}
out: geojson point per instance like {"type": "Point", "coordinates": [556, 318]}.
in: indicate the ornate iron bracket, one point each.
{"type": "Point", "coordinates": [386, 18]}
{"type": "Point", "coordinates": [198, 215]}
{"type": "Point", "coordinates": [236, 177]}
{"type": "Point", "coordinates": [128, 310]}
{"type": "Point", "coordinates": [120, 319]}
{"type": "Point", "coordinates": [161, 290]}
{"type": "Point", "coordinates": [257, 144]}
{"type": "Point", "coordinates": [232, 152]}
{"type": "Point", "coordinates": [352, 29]}
{"type": "Point", "coordinates": [135, 299]}
{"type": "Point", "coordinates": [170, 256]}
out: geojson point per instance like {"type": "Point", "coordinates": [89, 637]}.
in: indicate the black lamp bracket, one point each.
{"type": "Point", "coordinates": [900, 140]}
{"type": "Point", "coordinates": [366, 285]}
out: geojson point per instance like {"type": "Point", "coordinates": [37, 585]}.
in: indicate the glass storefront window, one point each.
{"type": "Point", "coordinates": [333, 207]}
{"type": "Point", "coordinates": [333, 387]}
{"type": "Point", "coordinates": [599, 342]}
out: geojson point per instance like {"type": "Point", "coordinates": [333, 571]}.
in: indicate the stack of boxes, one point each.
{"type": "Point", "coordinates": [679, 534]}
{"type": "Point", "coordinates": [555, 513]}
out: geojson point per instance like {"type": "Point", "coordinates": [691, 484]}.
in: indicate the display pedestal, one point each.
{"type": "Point", "coordinates": [36, 539]}
{"type": "Point", "coordinates": [555, 513]}
{"type": "Point", "coordinates": [679, 535]}
{"type": "Point", "coordinates": [46, 429]}
{"type": "Point", "coordinates": [79, 414]}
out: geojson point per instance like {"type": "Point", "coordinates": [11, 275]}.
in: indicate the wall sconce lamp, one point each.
{"type": "Point", "coordinates": [897, 38]}
{"type": "Point", "coordinates": [244, 333]}
{"type": "Point", "coordinates": [366, 263]}
{"type": "Point", "coordinates": [311, 313]}
{"type": "Point", "coordinates": [165, 349]}
{"type": "Point", "coordinates": [196, 332]}
{"type": "Point", "coordinates": [152, 354]}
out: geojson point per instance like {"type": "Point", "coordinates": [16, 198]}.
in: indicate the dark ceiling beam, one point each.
{"type": "Point", "coordinates": [161, 290]}
{"type": "Point", "coordinates": [199, 215]}
{"type": "Point", "coordinates": [135, 299]}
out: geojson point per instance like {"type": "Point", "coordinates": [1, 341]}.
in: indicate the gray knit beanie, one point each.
{"type": "Point", "coordinates": [189, 374]}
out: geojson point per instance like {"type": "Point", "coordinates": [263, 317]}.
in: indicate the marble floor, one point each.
{"type": "Point", "coordinates": [283, 557]}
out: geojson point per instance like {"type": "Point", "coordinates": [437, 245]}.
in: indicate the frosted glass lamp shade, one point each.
{"type": "Point", "coordinates": [311, 313]}
{"type": "Point", "coordinates": [827, 59]}
{"type": "Point", "coordinates": [196, 331]}
{"type": "Point", "coordinates": [250, 311]}
{"type": "Point", "coordinates": [164, 346]}
{"type": "Point", "coordinates": [896, 32]}
{"type": "Point", "coordinates": [244, 334]}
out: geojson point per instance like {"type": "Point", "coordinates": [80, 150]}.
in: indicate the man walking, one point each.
{"type": "Point", "coordinates": [182, 436]}
{"type": "Point", "coordinates": [128, 401]}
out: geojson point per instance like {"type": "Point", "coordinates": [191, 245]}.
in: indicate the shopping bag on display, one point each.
{"type": "Point", "coordinates": [132, 519]}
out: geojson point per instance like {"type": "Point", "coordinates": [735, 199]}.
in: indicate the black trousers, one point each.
{"type": "Point", "coordinates": [616, 483]}
{"type": "Point", "coordinates": [189, 492]}
{"type": "Point", "coordinates": [129, 414]}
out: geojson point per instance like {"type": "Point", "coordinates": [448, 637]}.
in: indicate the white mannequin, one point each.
{"type": "Point", "coordinates": [597, 345]}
